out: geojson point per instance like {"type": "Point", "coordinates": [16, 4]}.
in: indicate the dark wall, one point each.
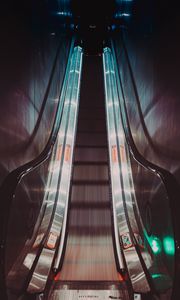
{"type": "Point", "coordinates": [29, 47]}
{"type": "Point", "coordinates": [153, 47]}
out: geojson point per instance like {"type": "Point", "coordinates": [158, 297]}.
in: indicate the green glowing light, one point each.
{"type": "Point", "coordinates": [155, 244]}
{"type": "Point", "coordinates": [154, 276]}
{"type": "Point", "coordinates": [169, 247]}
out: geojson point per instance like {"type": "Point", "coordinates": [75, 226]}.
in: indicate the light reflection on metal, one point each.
{"type": "Point", "coordinates": [151, 260]}
{"type": "Point", "coordinates": [59, 176]}
{"type": "Point", "coordinates": [112, 141]}
{"type": "Point", "coordinates": [56, 100]}
{"type": "Point", "coordinates": [116, 172]}
{"type": "Point", "coordinates": [27, 256]}
{"type": "Point", "coordinates": [38, 240]}
{"type": "Point", "coordinates": [71, 141]}
{"type": "Point", "coordinates": [122, 189]}
{"type": "Point", "coordinates": [61, 135]}
{"type": "Point", "coordinates": [29, 260]}
{"type": "Point", "coordinates": [74, 294]}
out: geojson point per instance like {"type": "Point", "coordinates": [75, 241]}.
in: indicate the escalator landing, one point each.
{"type": "Point", "coordinates": [86, 290]}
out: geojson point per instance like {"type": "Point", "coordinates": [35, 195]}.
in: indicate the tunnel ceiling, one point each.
{"type": "Point", "coordinates": [140, 13]}
{"type": "Point", "coordinates": [93, 10]}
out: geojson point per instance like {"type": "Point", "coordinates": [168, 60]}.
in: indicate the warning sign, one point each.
{"type": "Point", "coordinates": [122, 154]}
{"type": "Point", "coordinates": [59, 152]}
{"type": "Point", "coordinates": [126, 240]}
{"type": "Point", "coordinates": [51, 243]}
{"type": "Point", "coordinates": [114, 154]}
{"type": "Point", "coordinates": [67, 153]}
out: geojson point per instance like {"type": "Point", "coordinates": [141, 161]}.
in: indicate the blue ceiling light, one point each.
{"type": "Point", "coordinates": [119, 2]}
{"type": "Point", "coordinates": [64, 14]}
{"type": "Point", "coordinates": [121, 15]}
{"type": "Point", "coordinates": [125, 15]}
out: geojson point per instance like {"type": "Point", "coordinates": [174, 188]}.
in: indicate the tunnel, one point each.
{"type": "Point", "coordinates": [90, 150]}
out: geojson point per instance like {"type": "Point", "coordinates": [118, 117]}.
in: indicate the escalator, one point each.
{"type": "Point", "coordinates": [89, 261]}
{"type": "Point", "coordinates": [93, 236]}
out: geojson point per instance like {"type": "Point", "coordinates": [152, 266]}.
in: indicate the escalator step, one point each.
{"type": "Point", "coordinates": [95, 126]}
{"type": "Point", "coordinates": [87, 193]}
{"type": "Point", "coordinates": [91, 139]}
{"type": "Point", "coordinates": [91, 163]}
{"type": "Point", "coordinates": [94, 132]}
{"type": "Point", "coordinates": [90, 182]}
{"type": "Point", "coordinates": [91, 154]}
{"type": "Point", "coordinates": [90, 172]}
{"type": "Point", "coordinates": [91, 146]}
{"type": "Point", "coordinates": [98, 113]}
{"type": "Point", "coordinates": [89, 205]}
{"type": "Point", "coordinates": [90, 218]}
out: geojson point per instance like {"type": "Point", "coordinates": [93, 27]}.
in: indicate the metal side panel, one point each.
{"type": "Point", "coordinates": [89, 294]}
{"type": "Point", "coordinates": [63, 156]}
{"type": "Point", "coordinates": [122, 201]}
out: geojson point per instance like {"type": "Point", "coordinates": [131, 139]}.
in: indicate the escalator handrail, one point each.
{"type": "Point", "coordinates": [142, 266]}
{"type": "Point", "coordinates": [170, 183]}
{"type": "Point", "coordinates": [60, 228]}
{"type": "Point", "coordinates": [10, 183]}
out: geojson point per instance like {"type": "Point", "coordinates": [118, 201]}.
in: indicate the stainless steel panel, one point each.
{"type": "Point", "coordinates": [89, 294]}
{"type": "Point", "coordinates": [120, 174]}
{"type": "Point", "coordinates": [63, 157]}
{"type": "Point", "coordinates": [153, 212]}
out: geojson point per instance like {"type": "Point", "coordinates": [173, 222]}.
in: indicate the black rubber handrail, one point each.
{"type": "Point", "coordinates": [9, 185]}
{"type": "Point", "coordinates": [170, 183]}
